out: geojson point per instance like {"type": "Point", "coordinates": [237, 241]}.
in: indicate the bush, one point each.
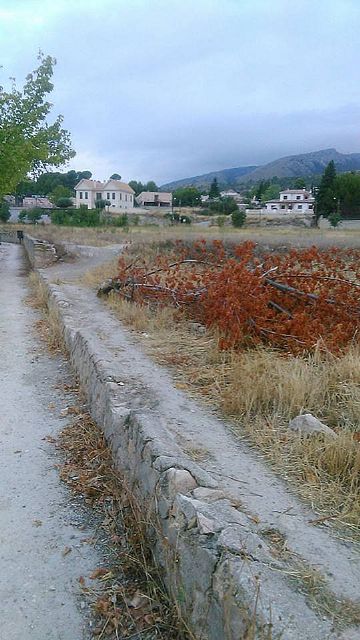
{"type": "Point", "coordinates": [4, 211]}
{"type": "Point", "coordinates": [220, 221]}
{"type": "Point", "coordinates": [82, 217]}
{"type": "Point", "coordinates": [177, 218]}
{"type": "Point", "coordinates": [238, 218]}
{"type": "Point", "coordinates": [64, 203]}
{"type": "Point", "coordinates": [119, 221]}
{"type": "Point", "coordinates": [223, 206]}
{"type": "Point", "coordinates": [32, 215]}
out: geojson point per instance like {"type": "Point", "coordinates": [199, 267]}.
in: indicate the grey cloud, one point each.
{"type": "Point", "coordinates": [168, 89]}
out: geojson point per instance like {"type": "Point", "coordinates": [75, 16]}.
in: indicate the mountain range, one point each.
{"type": "Point", "coordinates": [301, 165]}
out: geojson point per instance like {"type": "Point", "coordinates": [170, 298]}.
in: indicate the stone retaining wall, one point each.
{"type": "Point", "coordinates": [40, 253]}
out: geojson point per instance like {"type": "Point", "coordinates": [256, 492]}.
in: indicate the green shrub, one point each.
{"type": "Point", "coordinates": [82, 217]}
{"type": "Point", "coordinates": [4, 211]}
{"type": "Point", "coordinates": [238, 218]}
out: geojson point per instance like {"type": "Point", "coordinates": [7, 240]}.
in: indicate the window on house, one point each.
{"type": "Point", "coordinates": [299, 206]}
{"type": "Point", "coordinates": [81, 195]}
{"type": "Point", "coordinates": [108, 196]}
{"type": "Point", "coordinates": [285, 197]}
{"type": "Point", "coordinates": [113, 195]}
{"type": "Point", "coordinates": [86, 195]}
{"type": "Point", "coordinates": [126, 197]}
{"type": "Point", "coordinates": [283, 206]}
{"type": "Point", "coordinates": [298, 197]}
{"type": "Point", "coordinates": [310, 206]}
{"type": "Point", "coordinates": [120, 194]}
{"type": "Point", "coordinates": [98, 196]}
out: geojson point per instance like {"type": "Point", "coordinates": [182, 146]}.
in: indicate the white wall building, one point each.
{"type": "Point", "coordinates": [292, 201]}
{"type": "Point", "coordinates": [118, 193]}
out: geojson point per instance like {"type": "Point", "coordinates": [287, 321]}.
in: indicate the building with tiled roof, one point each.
{"type": "Point", "coordinates": [119, 194]}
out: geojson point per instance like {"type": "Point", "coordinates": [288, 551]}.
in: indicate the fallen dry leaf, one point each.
{"type": "Point", "coordinates": [98, 573]}
{"type": "Point", "coordinates": [66, 551]}
{"type": "Point", "coordinates": [37, 523]}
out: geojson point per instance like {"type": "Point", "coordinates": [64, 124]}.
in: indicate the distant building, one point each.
{"type": "Point", "coordinates": [154, 199]}
{"type": "Point", "coordinates": [118, 193]}
{"type": "Point", "coordinates": [32, 202]}
{"type": "Point", "coordinates": [292, 201]}
{"type": "Point", "coordinates": [231, 193]}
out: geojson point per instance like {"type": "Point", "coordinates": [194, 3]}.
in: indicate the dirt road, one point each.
{"type": "Point", "coordinates": [39, 589]}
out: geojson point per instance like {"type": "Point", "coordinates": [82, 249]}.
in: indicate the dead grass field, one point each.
{"type": "Point", "coordinates": [272, 236]}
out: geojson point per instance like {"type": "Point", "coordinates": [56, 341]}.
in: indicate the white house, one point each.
{"type": "Point", "coordinates": [118, 193]}
{"type": "Point", "coordinates": [231, 193]}
{"type": "Point", "coordinates": [154, 199]}
{"type": "Point", "coordinates": [292, 201]}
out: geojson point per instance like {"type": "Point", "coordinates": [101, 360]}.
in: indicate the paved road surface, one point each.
{"type": "Point", "coordinates": [39, 591]}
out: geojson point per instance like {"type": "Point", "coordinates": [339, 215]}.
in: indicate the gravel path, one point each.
{"type": "Point", "coordinates": [39, 589]}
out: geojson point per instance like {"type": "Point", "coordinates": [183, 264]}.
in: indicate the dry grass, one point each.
{"type": "Point", "coordinates": [94, 276]}
{"type": "Point", "coordinates": [48, 325]}
{"type": "Point", "coordinates": [131, 598]}
{"type": "Point", "coordinates": [273, 236]}
{"type": "Point", "coordinates": [259, 391]}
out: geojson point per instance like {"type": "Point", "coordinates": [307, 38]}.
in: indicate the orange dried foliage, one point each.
{"type": "Point", "coordinates": [293, 301]}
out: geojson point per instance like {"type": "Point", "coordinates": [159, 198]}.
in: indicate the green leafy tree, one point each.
{"type": "Point", "coordinates": [59, 193]}
{"type": "Point", "coordinates": [136, 186]}
{"type": "Point", "coordinates": [64, 203]}
{"type": "Point", "coordinates": [334, 218]}
{"type": "Point", "coordinates": [28, 141]}
{"type": "Point", "coordinates": [214, 190]}
{"type": "Point", "coordinates": [326, 194]}
{"type": "Point", "coordinates": [26, 188]}
{"type": "Point", "coordinates": [261, 189]}
{"type": "Point", "coordinates": [224, 206]}
{"type": "Point", "coordinates": [115, 176]}
{"type": "Point", "coordinates": [47, 182]}
{"type": "Point", "coordinates": [347, 193]}
{"type": "Point", "coordinates": [271, 193]}
{"type": "Point", "coordinates": [34, 215]}
{"type": "Point", "coordinates": [151, 186]}
{"type": "Point", "coordinates": [101, 204]}
{"type": "Point", "coordinates": [238, 218]}
{"type": "Point", "coordinates": [299, 183]}
{"type": "Point", "coordinates": [186, 197]}
{"type": "Point", "coordinates": [4, 211]}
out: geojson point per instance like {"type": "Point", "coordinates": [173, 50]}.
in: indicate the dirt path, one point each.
{"type": "Point", "coordinates": [39, 589]}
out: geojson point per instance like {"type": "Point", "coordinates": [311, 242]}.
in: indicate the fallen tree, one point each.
{"type": "Point", "coordinates": [295, 301]}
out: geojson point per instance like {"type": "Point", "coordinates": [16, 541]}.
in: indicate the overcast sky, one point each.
{"type": "Point", "coordinates": [164, 89]}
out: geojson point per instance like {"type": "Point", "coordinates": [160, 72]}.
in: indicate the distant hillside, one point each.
{"type": "Point", "coordinates": [302, 165]}
{"type": "Point", "coordinates": [306, 164]}
{"type": "Point", "coordinates": [226, 177]}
